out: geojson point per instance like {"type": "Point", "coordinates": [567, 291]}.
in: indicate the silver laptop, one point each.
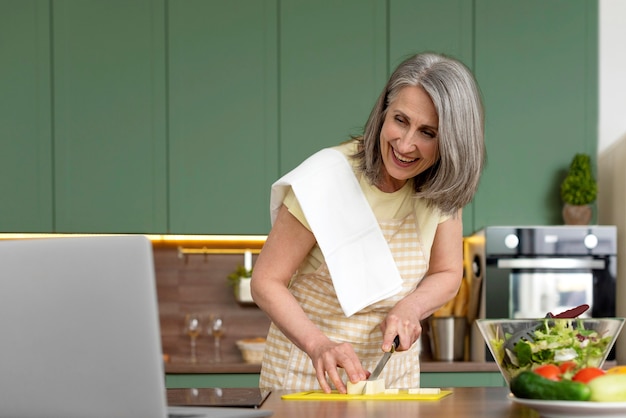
{"type": "Point", "coordinates": [79, 332]}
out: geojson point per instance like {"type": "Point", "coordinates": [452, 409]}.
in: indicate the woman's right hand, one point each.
{"type": "Point", "coordinates": [327, 357]}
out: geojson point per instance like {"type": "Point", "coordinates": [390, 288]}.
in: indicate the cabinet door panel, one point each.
{"type": "Point", "coordinates": [442, 26]}
{"type": "Point", "coordinates": [536, 62]}
{"type": "Point", "coordinates": [109, 132]}
{"type": "Point", "coordinates": [333, 64]}
{"type": "Point", "coordinates": [25, 121]}
{"type": "Point", "coordinates": [222, 115]}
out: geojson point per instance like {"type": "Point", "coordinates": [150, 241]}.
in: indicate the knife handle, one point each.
{"type": "Point", "coordinates": [395, 344]}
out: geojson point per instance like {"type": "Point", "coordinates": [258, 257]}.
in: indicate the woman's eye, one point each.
{"type": "Point", "coordinates": [429, 134]}
{"type": "Point", "coordinates": [399, 119]}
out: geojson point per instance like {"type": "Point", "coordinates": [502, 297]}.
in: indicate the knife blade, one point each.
{"type": "Point", "coordinates": [384, 359]}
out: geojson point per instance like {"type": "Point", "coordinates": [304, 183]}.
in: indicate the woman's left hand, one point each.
{"type": "Point", "coordinates": [328, 357]}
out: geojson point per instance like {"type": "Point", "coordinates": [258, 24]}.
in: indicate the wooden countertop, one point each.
{"type": "Point", "coordinates": [463, 402]}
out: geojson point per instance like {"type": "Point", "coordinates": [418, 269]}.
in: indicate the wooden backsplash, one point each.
{"type": "Point", "coordinates": [198, 283]}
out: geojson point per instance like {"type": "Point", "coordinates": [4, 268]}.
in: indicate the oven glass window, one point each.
{"type": "Point", "coordinates": [534, 294]}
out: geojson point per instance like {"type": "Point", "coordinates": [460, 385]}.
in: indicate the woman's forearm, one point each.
{"type": "Point", "coordinates": [285, 312]}
{"type": "Point", "coordinates": [434, 291]}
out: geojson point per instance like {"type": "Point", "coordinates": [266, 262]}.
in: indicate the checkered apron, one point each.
{"type": "Point", "coordinates": [285, 366]}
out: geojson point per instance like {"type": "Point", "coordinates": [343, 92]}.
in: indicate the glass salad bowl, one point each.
{"type": "Point", "coordinates": [525, 344]}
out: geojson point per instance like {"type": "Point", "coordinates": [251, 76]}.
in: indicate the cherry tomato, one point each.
{"type": "Point", "coordinates": [587, 374]}
{"type": "Point", "coordinates": [567, 366]}
{"type": "Point", "coordinates": [549, 371]}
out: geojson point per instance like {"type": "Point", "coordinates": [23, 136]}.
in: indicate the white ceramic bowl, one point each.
{"type": "Point", "coordinates": [584, 341]}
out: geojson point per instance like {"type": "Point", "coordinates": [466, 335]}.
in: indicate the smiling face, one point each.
{"type": "Point", "coordinates": [409, 141]}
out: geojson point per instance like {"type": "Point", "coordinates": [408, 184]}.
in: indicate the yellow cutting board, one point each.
{"type": "Point", "coordinates": [402, 395]}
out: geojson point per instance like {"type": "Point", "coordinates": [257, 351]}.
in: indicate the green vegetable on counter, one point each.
{"type": "Point", "coordinates": [529, 385]}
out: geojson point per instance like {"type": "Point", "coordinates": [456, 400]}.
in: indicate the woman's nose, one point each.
{"type": "Point", "coordinates": [407, 141]}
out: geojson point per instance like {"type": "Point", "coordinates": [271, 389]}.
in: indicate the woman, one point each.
{"type": "Point", "coordinates": [417, 164]}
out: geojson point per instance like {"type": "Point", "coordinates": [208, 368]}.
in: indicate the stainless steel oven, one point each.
{"type": "Point", "coordinates": [532, 270]}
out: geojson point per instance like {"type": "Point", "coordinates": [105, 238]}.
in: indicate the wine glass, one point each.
{"type": "Point", "coordinates": [217, 330]}
{"type": "Point", "coordinates": [192, 329]}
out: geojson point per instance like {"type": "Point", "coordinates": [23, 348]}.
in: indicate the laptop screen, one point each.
{"type": "Point", "coordinates": [80, 329]}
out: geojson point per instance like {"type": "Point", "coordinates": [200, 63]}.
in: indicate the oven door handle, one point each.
{"type": "Point", "coordinates": [550, 263]}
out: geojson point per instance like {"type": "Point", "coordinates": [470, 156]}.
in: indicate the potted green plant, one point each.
{"type": "Point", "coordinates": [578, 191]}
{"type": "Point", "coordinates": [240, 272]}
{"type": "Point", "coordinates": [240, 280]}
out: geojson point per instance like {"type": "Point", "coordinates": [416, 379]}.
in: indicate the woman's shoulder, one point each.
{"type": "Point", "coordinates": [347, 148]}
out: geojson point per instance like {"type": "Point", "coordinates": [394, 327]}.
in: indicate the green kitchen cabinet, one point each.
{"type": "Point", "coordinates": [157, 116]}
{"type": "Point", "coordinates": [430, 380]}
{"type": "Point", "coordinates": [461, 379]}
{"type": "Point", "coordinates": [213, 380]}
{"type": "Point", "coordinates": [333, 64]}
{"type": "Point", "coordinates": [445, 26]}
{"type": "Point", "coordinates": [536, 63]}
{"type": "Point", "coordinates": [109, 116]}
{"type": "Point", "coordinates": [25, 117]}
{"type": "Point", "coordinates": [331, 74]}
{"type": "Point", "coordinates": [223, 115]}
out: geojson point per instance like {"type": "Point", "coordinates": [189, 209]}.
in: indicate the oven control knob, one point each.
{"type": "Point", "coordinates": [591, 241]}
{"type": "Point", "coordinates": [511, 241]}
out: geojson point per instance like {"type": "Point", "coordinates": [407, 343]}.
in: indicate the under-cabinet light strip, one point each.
{"type": "Point", "coordinates": [211, 244]}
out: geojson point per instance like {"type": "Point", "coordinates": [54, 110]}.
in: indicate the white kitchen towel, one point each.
{"type": "Point", "coordinates": [358, 257]}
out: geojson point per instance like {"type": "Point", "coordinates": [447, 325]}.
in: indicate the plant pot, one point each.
{"type": "Point", "coordinates": [242, 292]}
{"type": "Point", "coordinates": [577, 214]}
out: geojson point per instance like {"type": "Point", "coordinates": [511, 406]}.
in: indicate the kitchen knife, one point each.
{"type": "Point", "coordinates": [384, 359]}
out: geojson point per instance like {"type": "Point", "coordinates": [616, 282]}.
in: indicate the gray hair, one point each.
{"type": "Point", "coordinates": [452, 181]}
